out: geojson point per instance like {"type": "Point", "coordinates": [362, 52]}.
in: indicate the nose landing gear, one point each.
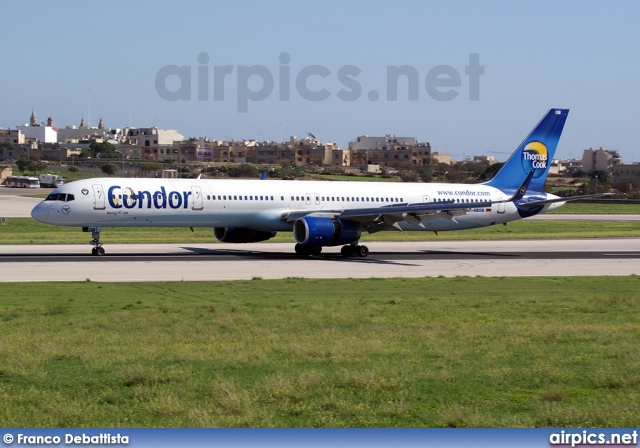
{"type": "Point", "coordinates": [97, 250]}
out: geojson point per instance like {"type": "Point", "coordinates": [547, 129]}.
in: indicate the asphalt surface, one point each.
{"type": "Point", "coordinates": [277, 260]}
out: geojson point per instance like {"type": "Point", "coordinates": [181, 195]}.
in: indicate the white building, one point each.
{"type": "Point", "coordinates": [154, 143]}
{"type": "Point", "coordinates": [40, 133]}
{"type": "Point", "coordinates": [72, 134]}
{"type": "Point", "coordinates": [386, 142]}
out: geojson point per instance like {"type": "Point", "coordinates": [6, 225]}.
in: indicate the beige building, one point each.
{"type": "Point", "coordinates": [5, 171]}
{"type": "Point", "coordinates": [436, 157]}
{"type": "Point", "coordinates": [154, 143]}
{"type": "Point", "coordinates": [601, 159]}
{"type": "Point", "coordinates": [625, 175]}
{"type": "Point", "coordinates": [389, 150]}
{"type": "Point", "coordinates": [11, 136]}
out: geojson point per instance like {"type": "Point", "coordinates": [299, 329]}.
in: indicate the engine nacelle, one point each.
{"type": "Point", "coordinates": [241, 235]}
{"type": "Point", "coordinates": [322, 231]}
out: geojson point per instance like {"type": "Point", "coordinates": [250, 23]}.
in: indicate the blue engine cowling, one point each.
{"type": "Point", "coordinates": [241, 235]}
{"type": "Point", "coordinates": [322, 231]}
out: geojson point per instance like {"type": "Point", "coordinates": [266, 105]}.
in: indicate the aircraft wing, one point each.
{"type": "Point", "coordinates": [376, 219]}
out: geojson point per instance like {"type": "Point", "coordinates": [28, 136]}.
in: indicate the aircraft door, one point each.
{"type": "Point", "coordinates": [98, 197]}
{"type": "Point", "coordinates": [198, 203]}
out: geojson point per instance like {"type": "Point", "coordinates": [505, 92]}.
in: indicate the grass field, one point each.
{"type": "Point", "coordinates": [597, 209]}
{"type": "Point", "coordinates": [438, 352]}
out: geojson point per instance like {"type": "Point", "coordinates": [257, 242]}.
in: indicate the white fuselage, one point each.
{"type": "Point", "coordinates": [258, 204]}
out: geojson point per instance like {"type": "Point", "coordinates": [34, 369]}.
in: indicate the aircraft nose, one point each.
{"type": "Point", "coordinates": [41, 212]}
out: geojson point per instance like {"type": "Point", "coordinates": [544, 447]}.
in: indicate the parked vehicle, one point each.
{"type": "Point", "coordinates": [51, 180]}
{"type": "Point", "coordinates": [22, 182]}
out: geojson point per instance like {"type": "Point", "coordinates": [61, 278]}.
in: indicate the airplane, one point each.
{"type": "Point", "coordinates": [319, 213]}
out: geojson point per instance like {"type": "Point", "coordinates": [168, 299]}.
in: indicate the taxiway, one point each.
{"type": "Point", "coordinates": [218, 261]}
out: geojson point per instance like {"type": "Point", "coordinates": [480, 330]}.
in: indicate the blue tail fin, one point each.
{"type": "Point", "coordinates": [534, 153]}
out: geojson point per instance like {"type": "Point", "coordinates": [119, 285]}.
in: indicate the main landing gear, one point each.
{"type": "Point", "coordinates": [302, 249]}
{"type": "Point", "coordinates": [348, 251]}
{"type": "Point", "coordinates": [97, 250]}
{"type": "Point", "coordinates": [354, 250]}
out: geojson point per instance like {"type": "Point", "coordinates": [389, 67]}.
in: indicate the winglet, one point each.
{"type": "Point", "coordinates": [520, 192]}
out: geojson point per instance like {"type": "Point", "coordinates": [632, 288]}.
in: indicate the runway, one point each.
{"type": "Point", "coordinates": [217, 261]}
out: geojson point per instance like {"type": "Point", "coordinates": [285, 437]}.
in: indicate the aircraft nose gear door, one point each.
{"type": "Point", "coordinates": [98, 197]}
{"type": "Point", "coordinates": [196, 192]}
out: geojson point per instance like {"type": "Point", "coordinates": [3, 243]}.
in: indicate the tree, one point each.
{"type": "Point", "coordinates": [244, 170]}
{"type": "Point", "coordinates": [601, 175]}
{"type": "Point", "coordinates": [37, 165]}
{"type": "Point", "coordinates": [73, 169]}
{"type": "Point", "coordinates": [109, 169]}
{"type": "Point", "coordinates": [104, 150]}
{"type": "Point", "coordinates": [22, 163]}
{"type": "Point", "coordinates": [491, 171]}
{"type": "Point", "coordinates": [34, 165]}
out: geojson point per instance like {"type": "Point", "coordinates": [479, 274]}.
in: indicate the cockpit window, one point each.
{"type": "Point", "coordinates": [64, 197]}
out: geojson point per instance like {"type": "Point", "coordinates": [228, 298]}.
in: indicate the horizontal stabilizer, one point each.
{"type": "Point", "coordinates": [534, 204]}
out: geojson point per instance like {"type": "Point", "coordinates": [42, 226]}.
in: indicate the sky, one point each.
{"type": "Point", "coordinates": [477, 76]}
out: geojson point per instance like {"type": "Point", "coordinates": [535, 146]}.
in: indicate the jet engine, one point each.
{"type": "Point", "coordinates": [324, 231]}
